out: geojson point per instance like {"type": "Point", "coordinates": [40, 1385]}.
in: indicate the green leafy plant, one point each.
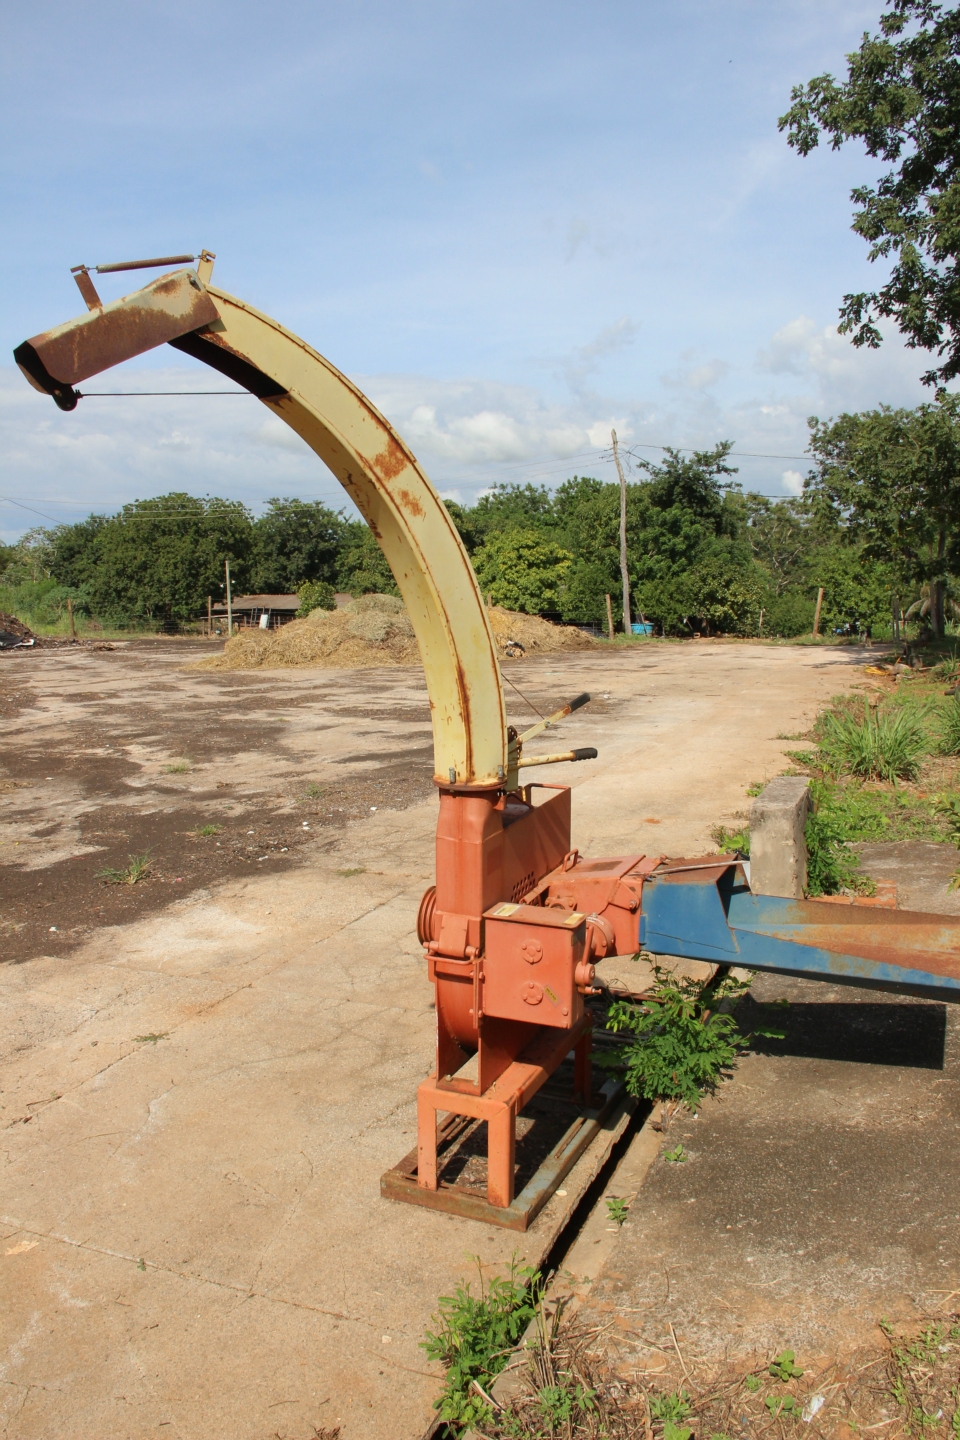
{"type": "Point", "coordinates": [681, 1043]}
{"type": "Point", "coordinates": [782, 1366]}
{"type": "Point", "coordinates": [677, 1156]}
{"type": "Point", "coordinates": [313, 791]}
{"type": "Point", "coordinates": [474, 1337]}
{"type": "Point", "coordinates": [670, 1410]}
{"type": "Point", "coordinates": [753, 1383]}
{"type": "Point", "coordinates": [559, 1404]}
{"type": "Point", "coordinates": [733, 842]}
{"type": "Point", "coordinates": [138, 867]}
{"type": "Point", "coordinates": [617, 1209]}
{"type": "Point", "coordinates": [781, 1404]}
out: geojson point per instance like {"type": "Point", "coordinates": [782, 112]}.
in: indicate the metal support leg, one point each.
{"type": "Point", "coordinates": [426, 1142]}
{"type": "Point", "coordinates": [501, 1155]}
{"type": "Point", "coordinates": [583, 1070]}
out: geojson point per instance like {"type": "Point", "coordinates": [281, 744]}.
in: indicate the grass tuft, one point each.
{"type": "Point", "coordinates": [207, 830]}
{"type": "Point", "coordinates": [178, 767]}
{"type": "Point", "coordinates": [871, 744]}
{"type": "Point", "coordinates": [138, 867]}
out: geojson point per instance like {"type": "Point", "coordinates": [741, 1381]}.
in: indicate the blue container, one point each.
{"type": "Point", "coordinates": [642, 628]}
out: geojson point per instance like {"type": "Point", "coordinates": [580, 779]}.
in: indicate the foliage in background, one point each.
{"type": "Point", "coordinates": [681, 1043]}
{"type": "Point", "coordinates": [522, 570]}
{"type": "Point", "coordinates": [474, 1337]}
{"type": "Point", "coordinates": [892, 479]}
{"type": "Point", "coordinates": [295, 541]}
{"type": "Point", "coordinates": [316, 595]}
{"type": "Point", "coordinates": [901, 99]}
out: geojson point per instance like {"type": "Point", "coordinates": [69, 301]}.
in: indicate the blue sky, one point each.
{"type": "Point", "coordinates": [514, 225]}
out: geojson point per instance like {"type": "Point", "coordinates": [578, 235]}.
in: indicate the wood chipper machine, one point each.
{"type": "Point", "coordinates": [518, 919]}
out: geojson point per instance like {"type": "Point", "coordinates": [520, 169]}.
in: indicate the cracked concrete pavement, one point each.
{"type": "Point", "coordinates": [198, 1102]}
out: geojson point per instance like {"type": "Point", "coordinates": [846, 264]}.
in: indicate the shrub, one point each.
{"type": "Point", "coordinates": [681, 1043]}
{"type": "Point", "coordinates": [315, 595]}
{"type": "Point", "coordinates": [950, 728]}
{"type": "Point", "coordinates": [475, 1336]}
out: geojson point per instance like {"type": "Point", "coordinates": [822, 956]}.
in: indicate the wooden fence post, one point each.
{"type": "Point", "coordinates": [610, 630]}
{"type": "Point", "coordinates": [816, 618]}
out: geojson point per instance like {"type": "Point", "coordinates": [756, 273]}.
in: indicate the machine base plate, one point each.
{"type": "Point", "coordinates": [455, 1152]}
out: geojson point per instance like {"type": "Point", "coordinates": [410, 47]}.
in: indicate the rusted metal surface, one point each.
{"type": "Point", "coordinates": [147, 264]}
{"type": "Point", "coordinates": [603, 1122]}
{"type": "Point", "coordinates": [86, 287]}
{"type": "Point", "coordinates": [706, 912]}
{"type": "Point", "coordinates": [169, 307]}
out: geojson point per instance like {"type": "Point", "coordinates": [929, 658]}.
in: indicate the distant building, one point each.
{"type": "Point", "coordinates": [267, 612]}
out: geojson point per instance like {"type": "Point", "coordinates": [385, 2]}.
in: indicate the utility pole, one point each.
{"type": "Point", "coordinates": [627, 627]}
{"type": "Point", "coordinates": [816, 618]}
{"type": "Point", "coordinates": [226, 566]}
{"type": "Point", "coordinates": [209, 616]}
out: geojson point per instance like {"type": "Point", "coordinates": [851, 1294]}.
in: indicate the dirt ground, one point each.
{"type": "Point", "coordinates": [204, 1075]}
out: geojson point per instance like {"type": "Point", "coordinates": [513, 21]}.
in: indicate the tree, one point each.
{"type": "Point", "coordinates": [295, 541]}
{"type": "Point", "coordinates": [76, 551]}
{"type": "Point", "coordinates": [512, 507]}
{"type": "Point", "coordinates": [160, 559]}
{"type": "Point", "coordinates": [522, 570]}
{"type": "Point", "coordinates": [902, 99]}
{"type": "Point", "coordinates": [362, 567]}
{"type": "Point", "coordinates": [892, 478]}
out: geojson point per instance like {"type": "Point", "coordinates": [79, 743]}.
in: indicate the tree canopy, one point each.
{"type": "Point", "coordinates": [901, 98]}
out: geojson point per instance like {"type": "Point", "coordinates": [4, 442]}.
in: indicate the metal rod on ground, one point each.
{"type": "Point", "coordinates": [609, 616]}
{"type": "Point", "coordinates": [627, 627]}
{"type": "Point", "coordinates": [73, 624]}
{"type": "Point", "coordinates": [816, 618]}
{"type": "Point", "coordinates": [226, 566]}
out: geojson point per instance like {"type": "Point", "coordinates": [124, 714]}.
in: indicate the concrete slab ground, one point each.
{"type": "Point", "coordinates": [819, 1190]}
{"type": "Point", "coordinates": [198, 1099]}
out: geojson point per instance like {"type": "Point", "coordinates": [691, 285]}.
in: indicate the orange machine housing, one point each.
{"type": "Point", "coordinates": [511, 930]}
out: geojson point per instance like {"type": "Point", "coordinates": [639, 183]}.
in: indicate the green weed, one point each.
{"type": "Point", "coordinates": [559, 1404]}
{"type": "Point", "coordinates": [733, 842]}
{"type": "Point", "coordinates": [753, 1383]}
{"type": "Point", "coordinates": [207, 830]}
{"type": "Point", "coordinates": [682, 1045]}
{"type": "Point", "coordinates": [474, 1337]}
{"type": "Point", "coordinates": [886, 743]}
{"type": "Point", "coordinates": [357, 870]}
{"type": "Point", "coordinates": [782, 1367]}
{"type": "Point", "coordinates": [151, 1039]}
{"type": "Point", "coordinates": [138, 867]}
{"type": "Point", "coordinates": [178, 767]}
{"type": "Point", "coordinates": [312, 792]}
{"type": "Point", "coordinates": [670, 1410]}
{"type": "Point", "coordinates": [782, 1404]}
{"type": "Point", "coordinates": [950, 728]}
{"type": "Point", "coordinates": [617, 1209]}
{"type": "Point", "coordinates": [676, 1157]}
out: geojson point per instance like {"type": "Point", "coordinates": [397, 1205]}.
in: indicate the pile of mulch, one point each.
{"type": "Point", "coordinates": [376, 630]}
{"type": "Point", "coordinates": [18, 639]}
{"type": "Point", "coordinates": [14, 634]}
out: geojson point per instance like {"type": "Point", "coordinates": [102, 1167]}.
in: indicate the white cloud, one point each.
{"type": "Point", "coordinates": [792, 482]}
